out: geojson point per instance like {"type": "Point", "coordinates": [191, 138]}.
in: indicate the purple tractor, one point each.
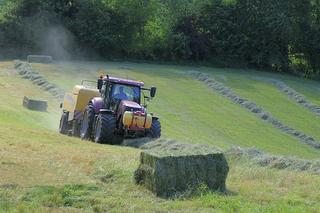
{"type": "Point", "coordinates": [109, 113]}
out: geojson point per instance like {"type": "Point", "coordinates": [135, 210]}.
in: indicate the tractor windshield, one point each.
{"type": "Point", "coordinates": [126, 92]}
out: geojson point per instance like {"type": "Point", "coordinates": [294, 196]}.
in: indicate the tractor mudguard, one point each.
{"type": "Point", "coordinates": [97, 104]}
{"type": "Point", "coordinates": [155, 118]}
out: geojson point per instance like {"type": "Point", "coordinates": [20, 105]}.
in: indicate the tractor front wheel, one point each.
{"type": "Point", "coordinates": [87, 123]}
{"type": "Point", "coordinates": [105, 129]}
{"type": "Point", "coordinates": [155, 130]}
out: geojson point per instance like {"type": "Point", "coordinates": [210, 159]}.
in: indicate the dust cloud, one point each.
{"type": "Point", "coordinates": [58, 42]}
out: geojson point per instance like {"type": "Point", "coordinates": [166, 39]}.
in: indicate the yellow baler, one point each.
{"type": "Point", "coordinates": [78, 99]}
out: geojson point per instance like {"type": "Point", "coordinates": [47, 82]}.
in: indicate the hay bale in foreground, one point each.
{"type": "Point", "coordinates": [39, 59]}
{"type": "Point", "coordinates": [180, 168]}
{"type": "Point", "coordinates": [36, 105]}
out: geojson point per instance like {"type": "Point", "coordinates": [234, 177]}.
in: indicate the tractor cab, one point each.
{"type": "Point", "coordinates": [115, 91]}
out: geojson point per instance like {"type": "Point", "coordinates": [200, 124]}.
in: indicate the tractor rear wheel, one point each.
{"type": "Point", "coordinates": [155, 130]}
{"type": "Point", "coordinates": [105, 129]}
{"type": "Point", "coordinates": [87, 123]}
{"type": "Point", "coordinates": [63, 127]}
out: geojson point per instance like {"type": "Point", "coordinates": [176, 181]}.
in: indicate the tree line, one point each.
{"type": "Point", "coordinates": [267, 34]}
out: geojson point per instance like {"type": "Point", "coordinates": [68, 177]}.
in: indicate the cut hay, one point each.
{"type": "Point", "coordinates": [228, 93]}
{"type": "Point", "coordinates": [292, 94]}
{"type": "Point", "coordinates": [278, 162]}
{"type": "Point", "coordinates": [168, 168]}
{"type": "Point", "coordinates": [25, 70]}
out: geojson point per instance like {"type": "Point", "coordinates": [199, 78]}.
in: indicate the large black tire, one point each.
{"type": "Point", "coordinates": [87, 123]}
{"type": "Point", "coordinates": [105, 129]}
{"type": "Point", "coordinates": [155, 130]}
{"type": "Point", "coordinates": [63, 127]}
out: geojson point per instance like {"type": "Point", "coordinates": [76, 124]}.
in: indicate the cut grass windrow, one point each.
{"type": "Point", "coordinates": [292, 94]}
{"type": "Point", "coordinates": [25, 70]}
{"type": "Point", "coordinates": [260, 158]}
{"type": "Point", "coordinates": [252, 107]}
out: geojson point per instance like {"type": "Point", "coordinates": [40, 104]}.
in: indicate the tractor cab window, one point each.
{"type": "Point", "coordinates": [126, 92]}
{"type": "Point", "coordinates": [103, 89]}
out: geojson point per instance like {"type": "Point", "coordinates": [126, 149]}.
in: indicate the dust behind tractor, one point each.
{"type": "Point", "coordinates": [109, 113]}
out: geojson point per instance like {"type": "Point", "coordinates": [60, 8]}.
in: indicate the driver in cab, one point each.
{"type": "Point", "coordinates": [121, 95]}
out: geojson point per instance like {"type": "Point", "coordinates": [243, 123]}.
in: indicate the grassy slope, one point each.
{"type": "Point", "coordinates": [190, 111]}
{"type": "Point", "coordinates": [42, 171]}
{"type": "Point", "coordinates": [267, 96]}
{"type": "Point", "coordinates": [289, 112]}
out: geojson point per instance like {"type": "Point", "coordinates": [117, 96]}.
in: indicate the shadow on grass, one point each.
{"type": "Point", "coordinates": [201, 191]}
{"type": "Point", "coordinates": [137, 142]}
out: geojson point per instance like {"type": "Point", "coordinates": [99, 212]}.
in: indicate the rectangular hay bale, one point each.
{"type": "Point", "coordinates": [167, 172]}
{"type": "Point", "coordinates": [39, 59]}
{"type": "Point", "coordinates": [36, 105]}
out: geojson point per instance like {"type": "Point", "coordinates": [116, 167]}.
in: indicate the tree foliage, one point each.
{"type": "Point", "coordinates": [272, 34]}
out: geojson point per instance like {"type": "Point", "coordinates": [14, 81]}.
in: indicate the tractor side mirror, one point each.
{"type": "Point", "coordinates": [153, 91]}
{"type": "Point", "coordinates": [99, 84]}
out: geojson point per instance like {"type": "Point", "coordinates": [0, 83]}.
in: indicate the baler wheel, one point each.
{"type": "Point", "coordinates": [63, 127]}
{"type": "Point", "coordinates": [87, 123]}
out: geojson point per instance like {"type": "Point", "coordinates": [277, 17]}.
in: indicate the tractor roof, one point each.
{"type": "Point", "coordinates": [124, 81]}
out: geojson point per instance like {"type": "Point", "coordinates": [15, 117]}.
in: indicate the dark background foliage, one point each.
{"type": "Point", "coordinates": [283, 36]}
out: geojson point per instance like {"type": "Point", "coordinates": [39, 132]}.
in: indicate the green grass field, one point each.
{"type": "Point", "coordinates": [191, 112]}
{"type": "Point", "coordinates": [42, 171]}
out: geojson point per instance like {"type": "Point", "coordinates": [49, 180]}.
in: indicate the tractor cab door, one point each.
{"type": "Point", "coordinates": [105, 94]}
